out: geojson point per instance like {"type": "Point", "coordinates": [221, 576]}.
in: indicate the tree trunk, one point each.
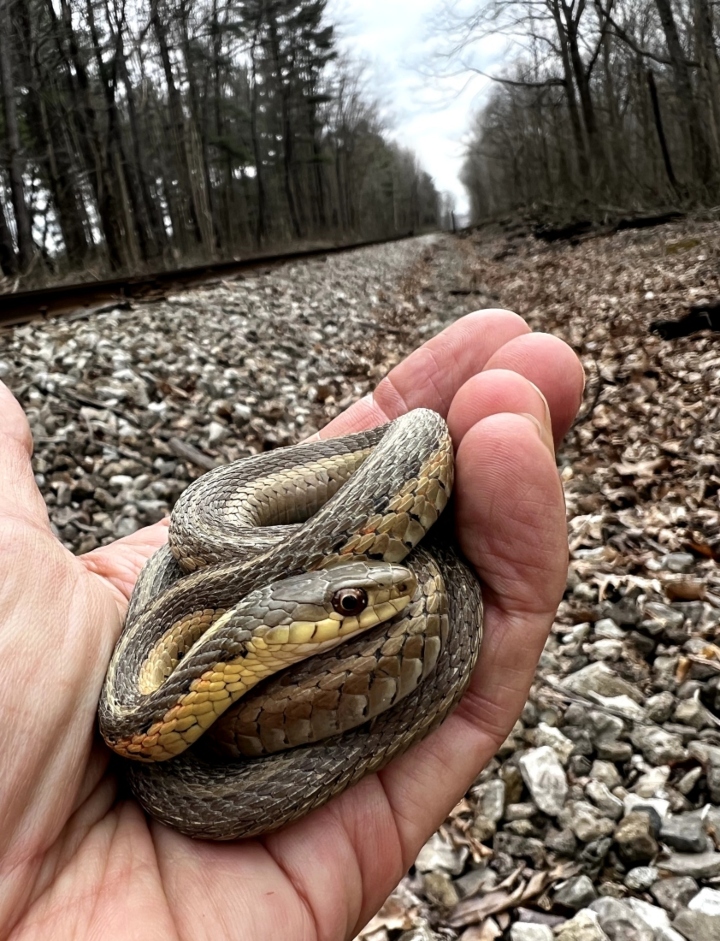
{"type": "Point", "coordinates": [261, 221]}
{"type": "Point", "coordinates": [226, 205]}
{"type": "Point", "coordinates": [699, 150]}
{"type": "Point", "coordinates": [89, 138]}
{"type": "Point", "coordinates": [48, 135]}
{"type": "Point", "coordinates": [177, 127]}
{"type": "Point", "coordinates": [213, 235]}
{"type": "Point", "coordinates": [8, 259]}
{"type": "Point", "coordinates": [710, 73]}
{"type": "Point", "coordinates": [150, 224]}
{"type": "Point", "coordinates": [615, 153]}
{"type": "Point", "coordinates": [23, 224]}
{"type": "Point", "coordinates": [125, 192]}
{"type": "Point", "coordinates": [582, 79]}
{"type": "Point", "coordinates": [61, 173]}
{"type": "Point", "coordinates": [284, 90]}
{"type": "Point", "coordinates": [319, 195]}
{"type": "Point", "coordinates": [661, 131]}
{"type": "Point", "coordinates": [581, 150]}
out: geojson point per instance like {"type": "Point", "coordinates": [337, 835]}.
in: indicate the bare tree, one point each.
{"type": "Point", "coordinates": [639, 81]}
{"type": "Point", "coordinates": [182, 131]}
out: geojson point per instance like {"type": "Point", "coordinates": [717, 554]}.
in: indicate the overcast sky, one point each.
{"type": "Point", "coordinates": [429, 116]}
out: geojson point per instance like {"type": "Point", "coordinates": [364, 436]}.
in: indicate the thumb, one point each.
{"type": "Point", "coordinates": [19, 495]}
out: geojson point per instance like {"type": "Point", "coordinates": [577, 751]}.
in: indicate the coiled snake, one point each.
{"type": "Point", "coordinates": [272, 559]}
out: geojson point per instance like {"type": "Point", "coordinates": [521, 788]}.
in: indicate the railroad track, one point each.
{"type": "Point", "coordinates": [86, 298]}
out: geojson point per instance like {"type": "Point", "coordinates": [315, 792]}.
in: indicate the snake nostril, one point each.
{"type": "Point", "coordinates": [350, 601]}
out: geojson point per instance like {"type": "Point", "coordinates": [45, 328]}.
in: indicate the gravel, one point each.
{"type": "Point", "coordinates": [600, 808]}
{"type": "Point", "coordinates": [127, 407]}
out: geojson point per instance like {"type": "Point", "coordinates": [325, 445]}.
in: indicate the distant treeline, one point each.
{"type": "Point", "coordinates": [610, 103]}
{"type": "Point", "coordinates": [137, 132]}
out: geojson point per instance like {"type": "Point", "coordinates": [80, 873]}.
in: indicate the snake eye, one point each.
{"type": "Point", "coordinates": [350, 601]}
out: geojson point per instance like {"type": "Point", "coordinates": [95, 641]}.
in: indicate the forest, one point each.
{"type": "Point", "coordinates": [140, 134]}
{"type": "Point", "coordinates": [608, 104]}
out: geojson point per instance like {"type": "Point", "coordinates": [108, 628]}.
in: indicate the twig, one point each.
{"type": "Point", "coordinates": [599, 386]}
{"type": "Point", "coordinates": [190, 453]}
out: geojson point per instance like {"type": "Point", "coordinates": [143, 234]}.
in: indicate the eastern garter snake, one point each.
{"type": "Point", "coordinates": [296, 548]}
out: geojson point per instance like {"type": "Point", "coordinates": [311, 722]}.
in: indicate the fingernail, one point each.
{"type": "Point", "coordinates": [543, 431]}
{"type": "Point", "coordinates": [548, 428]}
{"type": "Point", "coordinates": [545, 404]}
{"type": "Point", "coordinates": [536, 424]}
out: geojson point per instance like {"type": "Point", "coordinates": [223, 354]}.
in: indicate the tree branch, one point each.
{"type": "Point", "coordinates": [518, 83]}
{"type": "Point", "coordinates": [621, 34]}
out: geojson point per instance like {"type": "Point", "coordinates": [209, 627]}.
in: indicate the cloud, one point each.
{"type": "Point", "coordinates": [431, 116]}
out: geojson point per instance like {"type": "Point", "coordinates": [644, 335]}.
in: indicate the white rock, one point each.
{"type": "Point", "coordinates": [606, 627]}
{"type": "Point", "coordinates": [696, 865]}
{"type": "Point", "coordinates": [658, 746]}
{"type": "Point", "coordinates": [242, 411]}
{"type": "Point", "coordinates": [121, 481]}
{"type": "Point", "coordinates": [524, 931]}
{"type": "Point", "coordinates": [606, 773]}
{"type": "Point", "coordinates": [653, 782]}
{"type": "Point", "coordinates": [560, 744]}
{"type": "Point", "coordinates": [599, 678]}
{"type": "Point", "coordinates": [706, 901]}
{"type": "Point", "coordinates": [603, 798]}
{"type": "Point", "coordinates": [606, 648]}
{"type": "Point", "coordinates": [217, 432]}
{"type": "Point", "coordinates": [641, 878]}
{"type": "Point", "coordinates": [619, 921]}
{"type": "Point", "coordinates": [656, 918]}
{"type": "Point", "coordinates": [623, 704]}
{"type": "Point", "coordinates": [588, 823]}
{"type": "Point", "coordinates": [631, 801]}
{"type": "Point", "coordinates": [545, 779]}
{"type": "Point", "coordinates": [439, 854]}
{"type": "Point", "coordinates": [491, 798]}
{"type": "Point", "coordinates": [585, 926]}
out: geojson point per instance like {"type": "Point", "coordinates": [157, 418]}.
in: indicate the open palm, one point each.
{"type": "Point", "coordinates": [78, 858]}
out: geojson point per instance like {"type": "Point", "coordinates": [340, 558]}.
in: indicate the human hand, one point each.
{"type": "Point", "coordinates": [79, 859]}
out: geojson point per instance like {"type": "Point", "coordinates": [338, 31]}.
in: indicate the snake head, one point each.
{"type": "Point", "coordinates": [268, 630]}
{"type": "Point", "coordinates": [321, 608]}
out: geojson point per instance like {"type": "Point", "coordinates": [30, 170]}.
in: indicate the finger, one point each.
{"type": "Point", "coordinates": [430, 377]}
{"type": "Point", "coordinates": [510, 514]}
{"type": "Point", "coordinates": [499, 390]}
{"type": "Point", "coordinates": [19, 495]}
{"type": "Point", "coordinates": [511, 526]}
{"type": "Point", "coordinates": [552, 366]}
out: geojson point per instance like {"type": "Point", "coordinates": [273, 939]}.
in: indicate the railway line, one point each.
{"type": "Point", "coordinates": [89, 297]}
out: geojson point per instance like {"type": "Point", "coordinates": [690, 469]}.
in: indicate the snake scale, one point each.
{"type": "Point", "coordinates": [272, 562]}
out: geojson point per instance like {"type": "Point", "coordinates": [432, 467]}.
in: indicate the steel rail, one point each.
{"type": "Point", "coordinates": [89, 297]}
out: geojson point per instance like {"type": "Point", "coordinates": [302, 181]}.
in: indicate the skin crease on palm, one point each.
{"type": "Point", "coordinates": [77, 862]}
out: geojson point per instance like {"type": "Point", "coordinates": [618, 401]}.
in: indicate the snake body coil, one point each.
{"type": "Point", "coordinates": [271, 560]}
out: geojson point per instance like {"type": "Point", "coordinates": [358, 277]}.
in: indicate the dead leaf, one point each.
{"type": "Point", "coordinates": [684, 588]}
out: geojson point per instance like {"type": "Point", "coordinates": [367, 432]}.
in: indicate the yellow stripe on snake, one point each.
{"type": "Point", "coordinates": [272, 560]}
